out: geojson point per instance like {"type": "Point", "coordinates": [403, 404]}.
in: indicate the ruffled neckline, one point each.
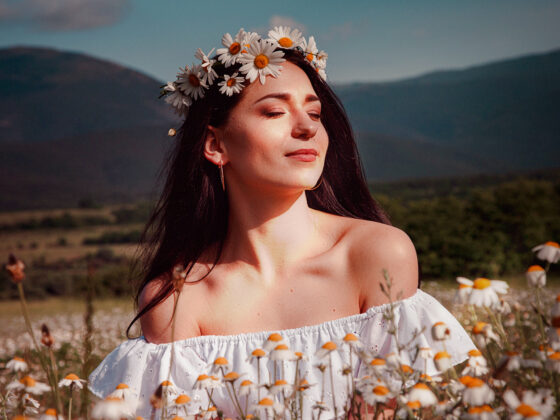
{"type": "Point", "coordinates": [261, 336]}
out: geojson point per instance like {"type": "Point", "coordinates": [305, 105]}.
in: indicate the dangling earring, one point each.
{"type": "Point", "coordinates": [316, 186]}
{"type": "Point", "coordinates": [222, 177]}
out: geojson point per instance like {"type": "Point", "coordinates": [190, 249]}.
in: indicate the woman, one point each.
{"type": "Point", "coordinates": [266, 225]}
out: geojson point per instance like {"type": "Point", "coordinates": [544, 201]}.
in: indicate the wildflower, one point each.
{"type": "Point", "coordinates": [190, 81]}
{"type": "Point", "coordinates": [422, 393]}
{"type": "Point", "coordinates": [285, 37]}
{"type": "Point", "coordinates": [393, 360]}
{"type": "Point", "coordinates": [377, 394]}
{"type": "Point", "coordinates": [476, 365]}
{"type": "Point", "coordinates": [477, 392]}
{"type": "Point", "coordinates": [554, 338]}
{"type": "Point", "coordinates": [246, 387]}
{"type": "Point", "coordinates": [272, 341]}
{"type": "Point", "coordinates": [484, 291]}
{"type": "Point", "coordinates": [207, 382]}
{"type": "Point", "coordinates": [321, 406]}
{"type": "Point", "coordinates": [553, 361]}
{"type": "Point", "coordinates": [482, 332]}
{"type": "Point", "coordinates": [31, 405]}
{"type": "Point", "coordinates": [326, 349]}
{"type": "Point", "coordinates": [208, 73]}
{"type": "Point", "coordinates": [425, 353]}
{"type": "Point", "coordinates": [46, 338]}
{"type": "Point", "coordinates": [210, 413]}
{"type": "Point", "coordinates": [483, 412]}
{"type": "Point", "coordinates": [440, 332]}
{"type": "Point", "coordinates": [233, 48]}
{"type": "Point", "coordinates": [231, 84]}
{"type": "Point", "coordinates": [534, 405]}
{"type": "Point", "coordinates": [549, 251]}
{"type": "Point", "coordinates": [71, 380]}
{"type": "Point", "coordinates": [111, 408]}
{"type": "Point", "coordinates": [427, 378]}
{"type": "Point", "coordinates": [442, 360]}
{"type": "Point", "coordinates": [182, 399]}
{"type": "Point", "coordinates": [378, 365]}
{"type": "Point", "coordinates": [123, 391]}
{"type": "Point", "coordinates": [310, 49]}
{"type": "Point", "coordinates": [17, 364]}
{"type": "Point", "coordinates": [352, 341]}
{"type": "Point", "coordinates": [281, 352]}
{"type": "Point", "coordinates": [406, 369]}
{"type": "Point", "coordinates": [231, 376]}
{"type": "Point", "coordinates": [463, 292]}
{"type": "Point", "coordinates": [260, 61]}
{"type": "Point", "coordinates": [28, 384]}
{"type": "Point", "coordinates": [303, 385]}
{"type": "Point", "coordinates": [172, 132]}
{"type": "Point", "coordinates": [221, 363]}
{"type": "Point", "coordinates": [536, 276]}
{"type": "Point", "coordinates": [50, 414]}
{"type": "Point", "coordinates": [178, 100]}
{"type": "Point", "coordinates": [267, 407]}
{"type": "Point", "coordinates": [15, 267]}
{"type": "Point", "coordinates": [280, 386]}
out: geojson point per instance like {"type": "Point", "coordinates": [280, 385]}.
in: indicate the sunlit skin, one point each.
{"type": "Point", "coordinates": [284, 265]}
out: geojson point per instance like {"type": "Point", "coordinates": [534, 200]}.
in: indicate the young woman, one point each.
{"type": "Point", "coordinates": [265, 225]}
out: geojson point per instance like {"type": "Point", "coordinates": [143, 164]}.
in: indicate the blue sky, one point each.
{"type": "Point", "coordinates": [366, 40]}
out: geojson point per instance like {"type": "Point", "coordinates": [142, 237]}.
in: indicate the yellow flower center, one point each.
{"type": "Point", "coordinates": [475, 353]}
{"type": "Point", "coordinates": [441, 355]}
{"type": "Point", "coordinates": [166, 383]}
{"type": "Point", "coordinates": [261, 61]}
{"type": "Point", "coordinates": [554, 244]}
{"type": "Point", "coordinates": [221, 361]}
{"type": "Point", "coordinates": [232, 376]}
{"type": "Point", "coordinates": [474, 383]}
{"type": "Point", "coordinates": [266, 401]}
{"type": "Point", "coordinates": [274, 337]}
{"type": "Point", "coordinates": [234, 48]}
{"type": "Point", "coordinates": [72, 377]}
{"type": "Point", "coordinates": [425, 377]}
{"type": "Point", "coordinates": [378, 362]}
{"type": "Point", "coordinates": [50, 412]}
{"type": "Point", "coordinates": [298, 354]}
{"type": "Point", "coordinates": [555, 356]}
{"type": "Point", "coordinates": [213, 408]}
{"type": "Point", "coordinates": [280, 382]}
{"type": "Point", "coordinates": [487, 408]}
{"type": "Point", "coordinates": [281, 347]}
{"type": "Point", "coordinates": [421, 386]}
{"type": "Point", "coordinates": [329, 345]}
{"type": "Point", "coordinates": [350, 337]}
{"type": "Point", "coordinates": [258, 353]}
{"type": "Point", "coordinates": [465, 379]}
{"type": "Point", "coordinates": [479, 327]}
{"type": "Point", "coordinates": [122, 386]}
{"type": "Point", "coordinates": [28, 381]}
{"type": "Point", "coordinates": [231, 81]}
{"type": "Point", "coordinates": [526, 410]}
{"type": "Point", "coordinates": [464, 286]}
{"type": "Point", "coordinates": [309, 57]}
{"type": "Point", "coordinates": [406, 369]}
{"type": "Point", "coordinates": [285, 42]}
{"type": "Point", "coordinates": [380, 390]}
{"type": "Point", "coordinates": [246, 382]}
{"type": "Point", "coordinates": [193, 80]}
{"type": "Point", "coordinates": [481, 283]}
{"type": "Point", "coordinates": [202, 377]}
{"type": "Point", "coordinates": [19, 359]}
{"type": "Point", "coordinates": [535, 268]}
{"type": "Point", "coordinates": [413, 405]}
{"type": "Point", "coordinates": [182, 399]}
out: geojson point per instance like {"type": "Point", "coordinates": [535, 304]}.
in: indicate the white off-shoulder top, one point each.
{"type": "Point", "coordinates": [143, 365]}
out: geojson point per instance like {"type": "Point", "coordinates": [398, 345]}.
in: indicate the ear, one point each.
{"type": "Point", "coordinates": [214, 149]}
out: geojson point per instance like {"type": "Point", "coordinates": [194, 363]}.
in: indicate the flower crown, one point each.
{"type": "Point", "coordinates": [258, 58]}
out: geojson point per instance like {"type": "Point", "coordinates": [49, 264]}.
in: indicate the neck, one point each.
{"type": "Point", "coordinates": [270, 232]}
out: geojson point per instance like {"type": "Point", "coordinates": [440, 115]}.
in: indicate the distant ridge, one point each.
{"type": "Point", "coordinates": [74, 126]}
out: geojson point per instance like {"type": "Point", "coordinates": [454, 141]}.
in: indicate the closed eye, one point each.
{"type": "Point", "coordinates": [274, 114]}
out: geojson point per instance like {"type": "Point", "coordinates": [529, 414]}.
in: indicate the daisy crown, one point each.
{"type": "Point", "coordinates": [255, 57]}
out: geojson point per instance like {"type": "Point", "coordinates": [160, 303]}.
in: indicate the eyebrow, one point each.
{"type": "Point", "coordinates": [286, 97]}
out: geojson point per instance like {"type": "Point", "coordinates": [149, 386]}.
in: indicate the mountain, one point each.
{"type": "Point", "coordinates": [506, 112]}
{"type": "Point", "coordinates": [74, 126]}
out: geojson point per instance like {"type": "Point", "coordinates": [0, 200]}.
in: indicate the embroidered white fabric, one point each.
{"type": "Point", "coordinates": [143, 365]}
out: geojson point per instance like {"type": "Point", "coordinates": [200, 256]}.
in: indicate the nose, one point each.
{"type": "Point", "coordinates": [304, 128]}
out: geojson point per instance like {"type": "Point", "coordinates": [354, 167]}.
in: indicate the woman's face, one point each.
{"type": "Point", "coordinates": [266, 127]}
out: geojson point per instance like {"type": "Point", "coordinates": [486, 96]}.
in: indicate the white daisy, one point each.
{"type": "Point", "coordinates": [442, 360]}
{"type": "Point", "coordinates": [50, 414]}
{"type": "Point", "coordinates": [111, 408]}
{"type": "Point", "coordinates": [281, 386]}
{"type": "Point", "coordinates": [17, 364]}
{"type": "Point", "coordinates": [483, 412]}
{"type": "Point", "coordinates": [177, 99]}
{"type": "Point", "coordinates": [233, 48]}
{"type": "Point", "coordinates": [477, 364]}
{"type": "Point", "coordinates": [207, 382]}
{"type": "Point", "coordinates": [477, 392]}
{"type": "Point", "coordinates": [28, 384]}
{"type": "Point", "coordinates": [536, 276]}
{"type": "Point", "coordinates": [463, 292]}
{"type": "Point", "coordinates": [208, 74]}
{"type": "Point", "coordinates": [484, 291]}
{"type": "Point", "coordinates": [321, 59]}
{"type": "Point", "coordinates": [231, 84]}
{"type": "Point", "coordinates": [535, 405]}
{"type": "Point", "coordinates": [378, 393]}
{"type": "Point", "coordinates": [72, 380]}
{"type": "Point", "coordinates": [422, 393]}
{"type": "Point", "coordinates": [440, 331]}
{"type": "Point", "coordinates": [285, 37]}
{"type": "Point", "coordinates": [246, 387]}
{"type": "Point", "coordinates": [272, 341]}
{"type": "Point", "coordinates": [218, 365]}
{"type": "Point", "coordinates": [282, 352]}
{"type": "Point", "coordinates": [310, 49]}
{"type": "Point", "coordinates": [190, 81]}
{"type": "Point", "coordinates": [267, 407]}
{"type": "Point", "coordinates": [124, 392]}
{"type": "Point", "coordinates": [549, 251]}
{"type": "Point", "coordinates": [482, 333]}
{"type": "Point", "coordinates": [260, 61]}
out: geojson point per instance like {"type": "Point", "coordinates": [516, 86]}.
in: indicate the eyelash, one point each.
{"type": "Point", "coordinates": [274, 114]}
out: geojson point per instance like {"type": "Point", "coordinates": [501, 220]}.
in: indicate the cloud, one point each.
{"type": "Point", "coordinates": [64, 15]}
{"type": "Point", "coordinates": [285, 21]}
{"type": "Point", "coordinates": [346, 30]}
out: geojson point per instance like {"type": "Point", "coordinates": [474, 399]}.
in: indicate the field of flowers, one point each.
{"type": "Point", "coordinates": [514, 373]}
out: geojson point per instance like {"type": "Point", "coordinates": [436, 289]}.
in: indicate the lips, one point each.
{"type": "Point", "coordinates": [303, 152]}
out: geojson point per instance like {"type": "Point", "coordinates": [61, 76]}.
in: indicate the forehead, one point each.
{"type": "Point", "coordinates": [292, 80]}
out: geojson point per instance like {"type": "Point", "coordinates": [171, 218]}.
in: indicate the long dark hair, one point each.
{"type": "Point", "coordinates": [191, 214]}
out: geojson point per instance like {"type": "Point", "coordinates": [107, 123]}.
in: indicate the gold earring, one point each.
{"type": "Point", "coordinates": [316, 186]}
{"type": "Point", "coordinates": [222, 177]}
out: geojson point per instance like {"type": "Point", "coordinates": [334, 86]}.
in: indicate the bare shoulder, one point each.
{"type": "Point", "coordinates": [375, 247]}
{"type": "Point", "coordinates": [156, 323]}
